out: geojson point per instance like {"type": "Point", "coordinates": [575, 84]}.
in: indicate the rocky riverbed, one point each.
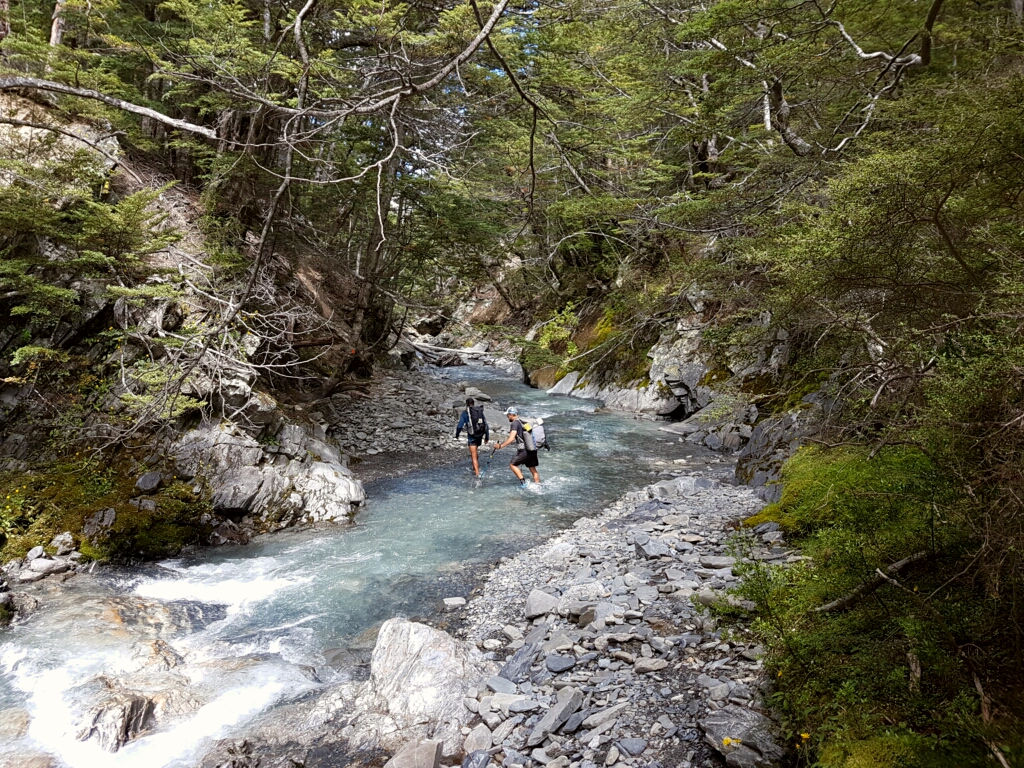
{"type": "Point", "coordinates": [597, 648]}
{"type": "Point", "coordinates": [610, 655]}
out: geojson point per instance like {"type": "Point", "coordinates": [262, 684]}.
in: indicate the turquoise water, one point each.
{"type": "Point", "coordinates": [264, 618]}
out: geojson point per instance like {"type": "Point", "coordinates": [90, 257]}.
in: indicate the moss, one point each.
{"type": "Point", "coordinates": [59, 497]}
{"type": "Point", "coordinates": [5, 616]}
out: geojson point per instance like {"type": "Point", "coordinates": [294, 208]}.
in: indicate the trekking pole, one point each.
{"type": "Point", "coordinates": [493, 449]}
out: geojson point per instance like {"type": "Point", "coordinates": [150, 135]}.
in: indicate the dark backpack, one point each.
{"type": "Point", "coordinates": [477, 422]}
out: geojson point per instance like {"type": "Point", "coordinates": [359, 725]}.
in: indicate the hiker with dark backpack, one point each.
{"type": "Point", "coordinates": [478, 432]}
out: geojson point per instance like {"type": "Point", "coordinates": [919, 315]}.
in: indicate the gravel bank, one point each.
{"type": "Point", "coordinates": [610, 657]}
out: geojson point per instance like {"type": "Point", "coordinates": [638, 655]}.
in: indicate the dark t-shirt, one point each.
{"type": "Point", "coordinates": [517, 427]}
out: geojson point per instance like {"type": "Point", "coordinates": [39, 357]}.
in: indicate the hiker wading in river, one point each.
{"type": "Point", "coordinates": [477, 430]}
{"type": "Point", "coordinates": [526, 455]}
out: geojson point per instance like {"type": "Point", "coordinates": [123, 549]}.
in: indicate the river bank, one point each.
{"type": "Point", "coordinates": [595, 648]}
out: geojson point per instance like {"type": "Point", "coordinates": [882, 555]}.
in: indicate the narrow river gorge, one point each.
{"type": "Point", "coordinates": [222, 638]}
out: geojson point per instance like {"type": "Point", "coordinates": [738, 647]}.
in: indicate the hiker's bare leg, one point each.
{"type": "Point", "coordinates": [536, 474]}
{"type": "Point", "coordinates": [476, 461]}
{"type": "Point", "coordinates": [515, 471]}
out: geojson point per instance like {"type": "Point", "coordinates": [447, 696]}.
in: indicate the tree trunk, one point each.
{"type": "Point", "coordinates": [57, 25]}
{"type": "Point", "coordinates": [1017, 8]}
{"type": "Point", "coordinates": [5, 22]}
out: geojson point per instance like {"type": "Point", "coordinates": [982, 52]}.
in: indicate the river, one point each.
{"type": "Point", "coordinates": [250, 628]}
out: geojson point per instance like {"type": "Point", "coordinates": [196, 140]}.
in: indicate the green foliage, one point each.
{"type": "Point", "coordinates": [49, 500]}
{"type": "Point", "coordinates": [844, 676]}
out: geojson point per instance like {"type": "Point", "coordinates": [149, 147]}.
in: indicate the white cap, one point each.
{"type": "Point", "coordinates": [511, 411]}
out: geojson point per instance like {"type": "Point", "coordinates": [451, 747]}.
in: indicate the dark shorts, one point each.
{"type": "Point", "coordinates": [477, 441]}
{"type": "Point", "coordinates": [525, 458]}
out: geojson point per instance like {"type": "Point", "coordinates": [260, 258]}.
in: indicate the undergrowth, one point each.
{"type": "Point", "coordinates": [892, 679]}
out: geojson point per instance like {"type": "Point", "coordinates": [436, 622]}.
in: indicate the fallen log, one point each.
{"type": "Point", "coordinates": [865, 589]}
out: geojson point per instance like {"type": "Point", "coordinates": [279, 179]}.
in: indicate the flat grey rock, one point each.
{"type": "Point", "coordinates": [418, 753]}
{"type": "Point", "coordinates": [752, 739]}
{"type": "Point", "coordinates": [517, 667]}
{"type": "Point", "coordinates": [479, 739]}
{"type": "Point", "coordinates": [34, 553]}
{"type": "Point", "coordinates": [500, 684]}
{"type": "Point", "coordinates": [539, 603]}
{"type": "Point", "coordinates": [557, 663]}
{"type": "Point", "coordinates": [652, 549]}
{"type": "Point", "coordinates": [632, 746]}
{"type": "Point", "coordinates": [149, 482]}
{"type": "Point", "coordinates": [567, 701]}
{"type": "Point", "coordinates": [712, 561]}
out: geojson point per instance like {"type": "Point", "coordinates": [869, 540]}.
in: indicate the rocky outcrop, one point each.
{"type": "Point", "coordinates": [674, 385]}
{"type": "Point", "coordinates": [298, 479]}
{"type": "Point", "coordinates": [418, 679]}
{"type": "Point", "coordinates": [771, 442]}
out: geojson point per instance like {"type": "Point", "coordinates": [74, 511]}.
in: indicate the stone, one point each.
{"type": "Point", "coordinates": [600, 718]}
{"type": "Point", "coordinates": [419, 677]}
{"type": "Point", "coordinates": [632, 747]}
{"type": "Point", "coordinates": [575, 721]}
{"type": "Point", "coordinates": [644, 665]}
{"type": "Point", "coordinates": [479, 739]}
{"type": "Point", "coordinates": [35, 553]}
{"type": "Point", "coordinates": [751, 737]}
{"type": "Point", "coordinates": [98, 523]}
{"type": "Point", "coordinates": [646, 594]}
{"type": "Point", "coordinates": [14, 723]}
{"type": "Point", "coordinates": [707, 597]}
{"type": "Point", "coordinates": [718, 692]}
{"type": "Point", "coordinates": [451, 603]}
{"type": "Point", "coordinates": [48, 567]}
{"type": "Point", "coordinates": [63, 544]}
{"type": "Point", "coordinates": [27, 576]}
{"type": "Point", "coordinates": [477, 759]}
{"type": "Point", "coordinates": [557, 663]}
{"type": "Point", "coordinates": [540, 603]}
{"type": "Point", "coordinates": [613, 756]}
{"type": "Point", "coordinates": [711, 561]}
{"type": "Point", "coordinates": [116, 720]}
{"type": "Point", "coordinates": [418, 753]}
{"type": "Point", "coordinates": [517, 666]}
{"type": "Point", "coordinates": [501, 684]}
{"type": "Point", "coordinates": [652, 549]}
{"type": "Point", "coordinates": [567, 701]}
{"type": "Point", "coordinates": [503, 731]}
{"type": "Point", "coordinates": [512, 632]}
{"type": "Point", "coordinates": [149, 482]}
{"type": "Point", "coordinates": [236, 490]}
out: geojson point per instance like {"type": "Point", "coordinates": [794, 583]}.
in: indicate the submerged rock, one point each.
{"type": "Point", "coordinates": [115, 721]}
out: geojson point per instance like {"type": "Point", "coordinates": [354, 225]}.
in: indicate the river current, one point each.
{"type": "Point", "coordinates": [254, 627]}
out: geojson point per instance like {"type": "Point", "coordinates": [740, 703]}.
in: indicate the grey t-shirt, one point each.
{"type": "Point", "coordinates": [517, 427]}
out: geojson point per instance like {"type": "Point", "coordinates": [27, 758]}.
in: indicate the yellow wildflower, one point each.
{"type": "Point", "coordinates": [726, 741]}
{"type": "Point", "coordinates": [805, 736]}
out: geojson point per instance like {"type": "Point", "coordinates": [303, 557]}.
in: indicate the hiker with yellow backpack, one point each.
{"type": "Point", "coordinates": [525, 436]}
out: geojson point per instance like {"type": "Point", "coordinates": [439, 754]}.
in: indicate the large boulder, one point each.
{"type": "Point", "coordinates": [418, 678]}
{"type": "Point", "coordinates": [744, 737]}
{"type": "Point", "coordinates": [300, 480]}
